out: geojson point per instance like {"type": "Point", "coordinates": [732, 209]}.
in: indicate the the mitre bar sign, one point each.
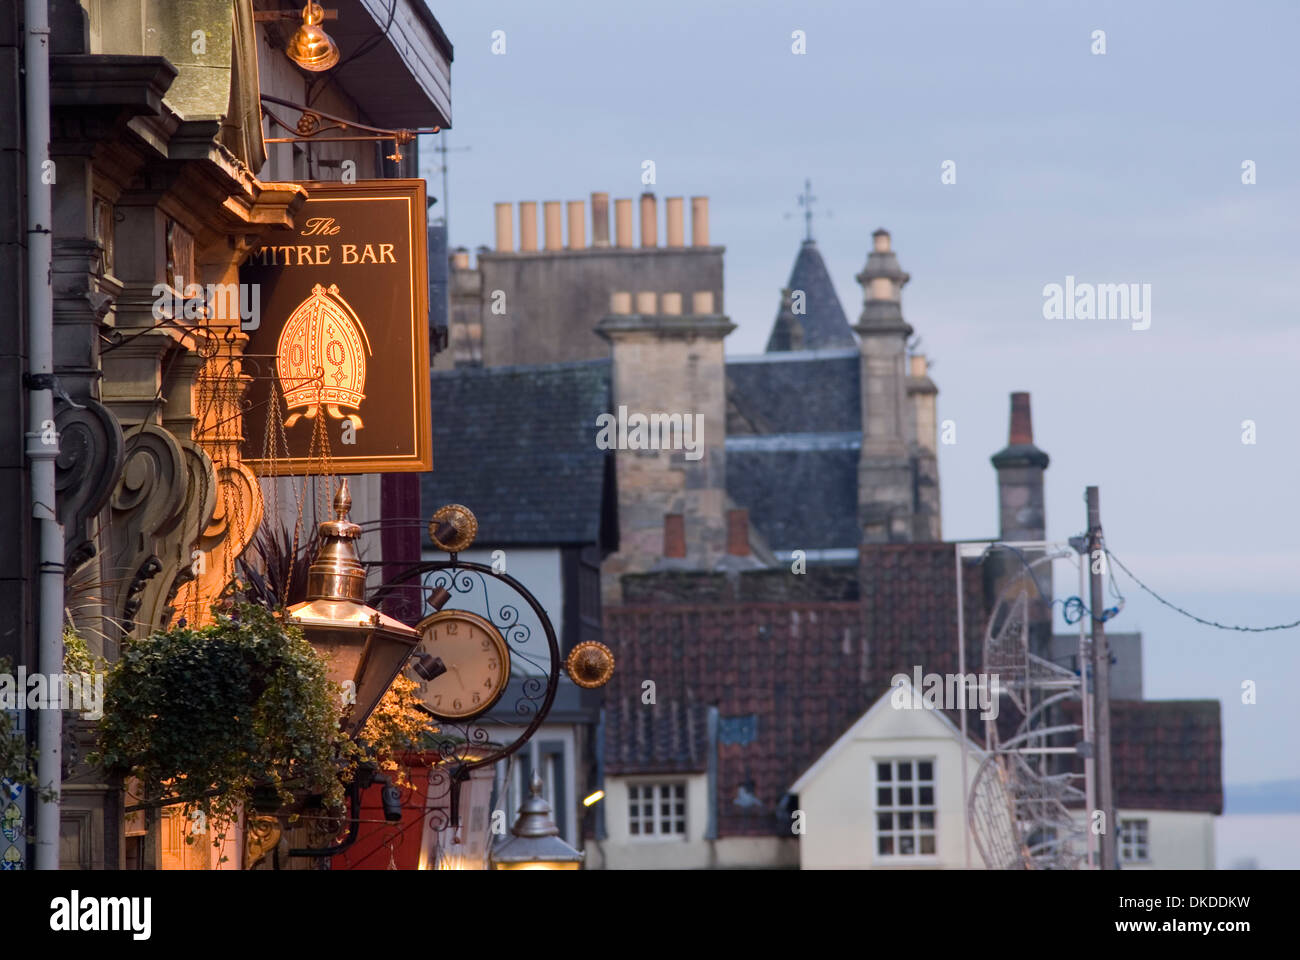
{"type": "Point", "coordinates": [339, 354]}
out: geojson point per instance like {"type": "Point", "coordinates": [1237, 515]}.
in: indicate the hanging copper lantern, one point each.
{"type": "Point", "coordinates": [310, 46]}
{"type": "Point", "coordinates": [362, 646]}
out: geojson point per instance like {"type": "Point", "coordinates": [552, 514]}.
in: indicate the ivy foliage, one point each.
{"type": "Point", "coordinates": [209, 714]}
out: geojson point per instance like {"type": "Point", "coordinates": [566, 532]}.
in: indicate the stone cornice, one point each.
{"type": "Point", "coordinates": [711, 325]}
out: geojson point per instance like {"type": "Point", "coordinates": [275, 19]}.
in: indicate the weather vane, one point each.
{"type": "Point", "coordinates": [806, 200]}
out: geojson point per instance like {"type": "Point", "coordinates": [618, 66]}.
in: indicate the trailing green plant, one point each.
{"type": "Point", "coordinates": [273, 574]}
{"type": "Point", "coordinates": [77, 655]}
{"type": "Point", "coordinates": [207, 715]}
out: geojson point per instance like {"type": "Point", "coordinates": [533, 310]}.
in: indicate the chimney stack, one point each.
{"type": "Point", "coordinates": [623, 222]}
{"type": "Point", "coordinates": [600, 219]}
{"type": "Point", "coordinates": [505, 228]}
{"type": "Point", "coordinates": [886, 473]}
{"type": "Point", "coordinates": [676, 224]}
{"type": "Point", "coordinates": [699, 221]}
{"type": "Point", "coordinates": [1023, 517]}
{"type": "Point", "coordinates": [527, 226]}
{"type": "Point", "coordinates": [1020, 468]}
{"type": "Point", "coordinates": [577, 226]}
{"type": "Point", "coordinates": [649, 221]}
{"type": "Point", "coordinates": [554, 225]}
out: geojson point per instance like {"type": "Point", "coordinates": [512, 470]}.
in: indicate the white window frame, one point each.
{"type": "Point", "coordinates": [656, 819]}
{"type": "Point", "coordinates": [915, 808]}
{"type": "Point", "coordinates": [1138, 840]}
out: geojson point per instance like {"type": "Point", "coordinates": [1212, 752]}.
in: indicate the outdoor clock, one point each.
{"type": "Point", "coordinates": [477, 660]}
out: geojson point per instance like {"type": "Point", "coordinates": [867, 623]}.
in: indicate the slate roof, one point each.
{"type": "Point", "coordinates": [822, 325]}
{"type": "Point", "coordinates": [794, 434]}
{"type": "Point", "coordinates": [517, 445]}
{"type": "Point", "coordinates": [798, 499]}
{"type": "Point", "coordinates": [798, 392]}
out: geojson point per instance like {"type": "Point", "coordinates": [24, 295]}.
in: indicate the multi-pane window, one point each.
{"type": "Point", "coordinates": [1133, 845]}
{"type": "Point", "coordinates": [905, 808]}
{"type": "Point", "coordinates": [656, 809]}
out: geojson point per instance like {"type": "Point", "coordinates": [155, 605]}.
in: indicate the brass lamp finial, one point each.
{"type": "Point", "coordinates": [336, 573]}
{"type": "Point", "coordinates": [343, 500]}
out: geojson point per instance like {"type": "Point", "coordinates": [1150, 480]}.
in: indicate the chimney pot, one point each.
{"type": "Point", "coordinates": [676, 222]}
{"type": "Point", "coordinates": [919, 366]}
{"type": "Point", "coordinates": [1022, 427]}
{"type": "Point", "coordinates": [699, 221]}
{"type": "Point", "coordinates": [674, 535]}
{"type": "Point", "coordinates": [577, 225]}
{"type": "Point", "coordinates": [646, 302]}
{"type": "Point", "coordinates": [505, 228]}
{"type": "Point", "coordinates": [881, 240]}
{"type": "Point", "coordinates": [527, 226]}
{"type": "Point", "coordinates": [554, 225]}
{"type": "Point", "coordinates": [649, 221]}
{"type": "Point", "coordinates": [460, 256]}
{"type": "Point", "coordinates": [670, 304]}
{"type": "Point", "coordinates": [702, 302]}
{"type": "Point", "coordinates": [600, 219]}
{"type": "Point", "coordinates": [623, 222]}
{"type": "Point", "coordinates": [620, 302]}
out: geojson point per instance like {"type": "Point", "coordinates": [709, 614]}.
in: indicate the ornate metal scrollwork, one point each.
{"type": "Point", "coordinates": [508, 726]}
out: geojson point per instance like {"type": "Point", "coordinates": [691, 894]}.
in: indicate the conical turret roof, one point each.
{"type": "Point", "coordinates": [821, 323]}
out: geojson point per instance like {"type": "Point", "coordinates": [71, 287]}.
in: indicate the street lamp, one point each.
{"type": "Point", "coordinates": [361, 646]}
{"type": "Point", "coordinates": [536, 843]}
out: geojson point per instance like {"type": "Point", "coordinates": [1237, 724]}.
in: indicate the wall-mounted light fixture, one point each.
{"type": "Point", "coordinates": [310, 46]}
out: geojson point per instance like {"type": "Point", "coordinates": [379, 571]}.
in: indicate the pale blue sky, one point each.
{"type": "Point", "coordinates": [1115, 169]}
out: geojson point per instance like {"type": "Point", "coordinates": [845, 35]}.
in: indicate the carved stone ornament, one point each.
{"type": "Point", "coordinates": [91, 450]}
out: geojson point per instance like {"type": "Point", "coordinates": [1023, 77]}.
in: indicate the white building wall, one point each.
{"type": "Point", "coordinates": [1176, 839]}
{"type": "Point", "coordinates": [623, 851]}
{"type": "Point", "coordinates": [839, 807]}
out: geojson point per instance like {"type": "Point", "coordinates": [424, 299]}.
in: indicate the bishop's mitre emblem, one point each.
{"type": "Point", "coordinates": [321, 357]}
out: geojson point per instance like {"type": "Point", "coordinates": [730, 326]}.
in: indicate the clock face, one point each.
{"type": "Point", "coordinates": [477, 661]}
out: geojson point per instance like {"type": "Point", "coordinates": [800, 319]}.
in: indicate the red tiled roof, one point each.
{"type": "Point", "coordinates": [1165, 754]}
{"type": "Point", "coordinates": [790, 678]}
{"type": "Point", "coordinates": [806, 671]}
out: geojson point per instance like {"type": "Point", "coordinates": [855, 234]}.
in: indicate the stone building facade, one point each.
{"type": "Point", "coordinates": [162, 182]}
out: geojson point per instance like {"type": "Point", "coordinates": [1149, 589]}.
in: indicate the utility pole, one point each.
{"type": "Point", "coordinates": [1101, 682]}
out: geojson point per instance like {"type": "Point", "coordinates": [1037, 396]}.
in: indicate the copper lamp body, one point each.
{"type": "Point", "coordinates": [360, 644]}
{"type": "Point", "coordinates": [310, 46]}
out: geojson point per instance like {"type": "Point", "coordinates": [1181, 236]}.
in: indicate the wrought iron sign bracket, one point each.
{"type": "Point", "coordinates": [312, 127]}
